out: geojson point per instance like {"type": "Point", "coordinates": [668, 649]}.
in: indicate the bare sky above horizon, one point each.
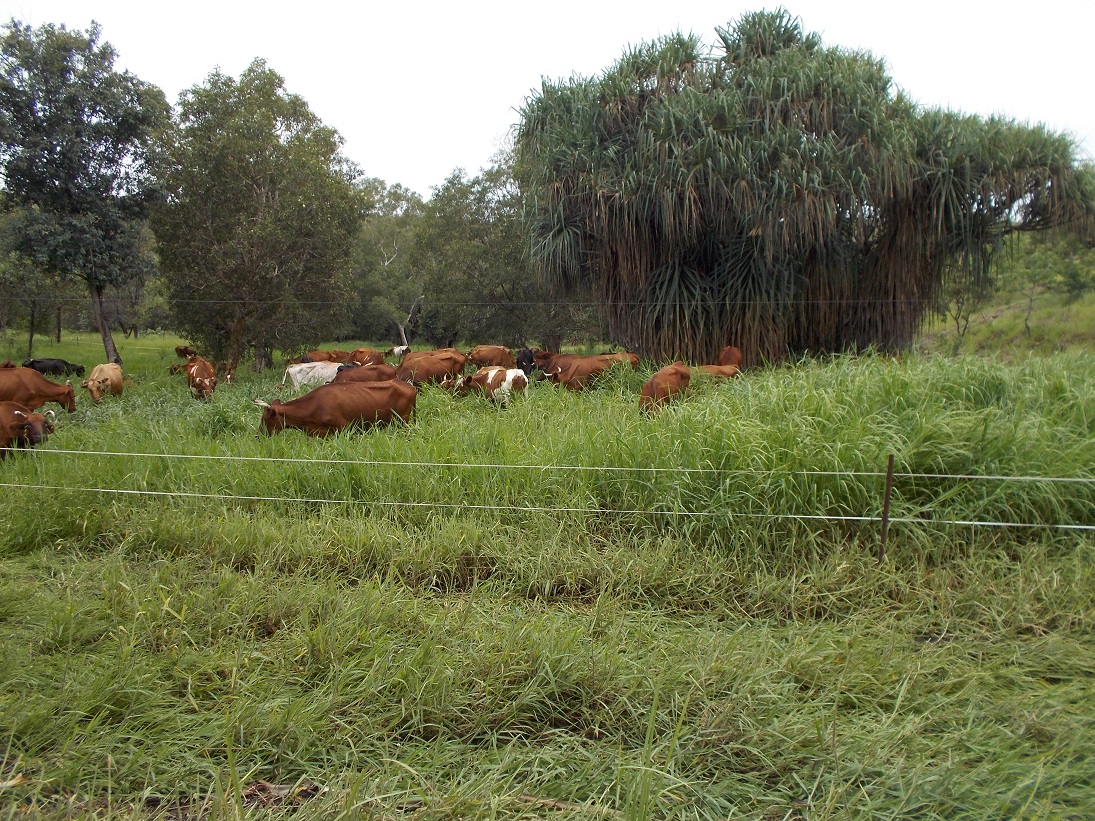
{"type": "Point", "coordinates": [418, 90]}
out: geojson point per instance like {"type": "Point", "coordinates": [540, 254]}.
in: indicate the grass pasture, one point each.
{"type": "Point", "coordinates": [564, 609]}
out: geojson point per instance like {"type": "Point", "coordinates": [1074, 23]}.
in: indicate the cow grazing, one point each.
{"type": "Point", "coordinates": [29, 388]}
{"type": "Point", "coordinates": [365, 356]}
{"type": "Point", "coordinates": [730, 355]}
{"type": "Point", "coordinates": [574, 372]}
{"type": "Point", "coordinates": [201, 376]}
{"type": "Point", "coordinates": [330, 408]}
{"type": "Point", "coordinates": [483, 355]}
{"type": "Point", "coordinates": [307, 374]}
{"type": "Point", "coordinates": [185, 351]}
{"type": "Point", "coordinates": [364, 373]}
{"type": "Point", "coordinates": [55, 367]}
{"type": "Point", "coordinates": [723, 371]}
{"type": "Point", "coordinates": [20, 427]}
{"type": "Point", "coordinates": [498, 383]}
{"type": "Point", "coordinates": [419, 367]}
{"type": "Point", "coordinates": [670, 381]}
{"type": "Point", "coordinates": [104, 379]}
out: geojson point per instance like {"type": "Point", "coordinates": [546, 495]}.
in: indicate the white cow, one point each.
{"type": "Point", "coordinates": [307, 374]}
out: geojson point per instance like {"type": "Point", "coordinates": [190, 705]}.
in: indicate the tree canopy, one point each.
{"type": "Point", "coordinates": [76, 138]}
{"type": "Point", "coordinates": [775, 194]}
{"type": "Point", "coordinates": [257, 231]}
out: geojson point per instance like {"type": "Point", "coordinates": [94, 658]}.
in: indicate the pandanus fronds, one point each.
{"type": "Point", "coordinates": [773, 194]}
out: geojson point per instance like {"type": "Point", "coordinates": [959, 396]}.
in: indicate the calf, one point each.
{"type": "Point", "coordinates": [20, 427]}
{"type": "Point", "coordinates": [498, 383]}
{"type": "Point", "coordinates": [670, 381]}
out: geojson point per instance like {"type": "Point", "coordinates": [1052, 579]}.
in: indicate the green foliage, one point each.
{"type": "Point", "coordinates": [76, 138]}
{"type": "Point", "coordinates": [779, 196]}
{"type": "Point", "coordinates": [257, 231]}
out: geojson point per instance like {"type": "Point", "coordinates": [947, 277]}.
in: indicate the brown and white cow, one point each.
{"type": "Point", "coordinates": [20, 427]}
{"type": "Point", "coordinates": [483, 355]}
{"type": "Point", "coordinates": [365, 356]}
{"type": "Point", "coordinates": [330, 408]}
{"type": "Point", "coordinates": [365, 373]}
{"type": "Point", "coordinates": [419, 367]}
{"type": "Point", "coordinates": [105, 379]}
{"type": "Point", "coordinates": [29, 388]}
{"type": "Point", "coordinates": [497, 383]}
{"type": "Point", "coordinates": [670, 381]}
{"type": "Point", "coordinates": [201, 376]}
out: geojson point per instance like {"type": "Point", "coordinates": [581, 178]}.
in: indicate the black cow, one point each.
{"type": "Point", "coordinates": [56, 367]}
{"type": "Point", "coordinates": [526, 360]}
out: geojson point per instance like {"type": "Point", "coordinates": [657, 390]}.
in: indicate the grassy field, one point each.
{"type": "Point", "coordinates": [564, 609]}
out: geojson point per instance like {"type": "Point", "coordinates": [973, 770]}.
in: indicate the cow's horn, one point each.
{"type": "Point", "coordinates": [20, 413]}
{"type": "Point", "coordinates": [50, 415]}
{"type": "Point", "coordinates": [261, 404]}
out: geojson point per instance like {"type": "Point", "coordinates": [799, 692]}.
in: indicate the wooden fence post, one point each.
{"type": "Point", "coordinates": [886, 510]}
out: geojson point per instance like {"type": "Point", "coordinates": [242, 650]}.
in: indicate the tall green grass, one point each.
{"type": "Point", "coordinates": [564, 608]}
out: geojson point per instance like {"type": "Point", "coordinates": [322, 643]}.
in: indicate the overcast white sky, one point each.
{"type": "Point", "coordinates": [420, 89]}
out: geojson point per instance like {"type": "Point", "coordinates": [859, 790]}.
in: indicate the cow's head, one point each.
{"type": "Point", "coordinates": [272, 421]}
{"type": "Point", "coordinates": [67, 399]}
{"type": "Point", "coordinates": [34, 428]}
{"type": "Point", "coordinates": [96, 387]}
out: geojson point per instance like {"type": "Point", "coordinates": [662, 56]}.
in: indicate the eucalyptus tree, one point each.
{"type": "Point", "coordinates": [773, 193]}
{"type": "Point", "coordinates": [257, 231]}
{"type": "Point", "coordinates": [76, 138]}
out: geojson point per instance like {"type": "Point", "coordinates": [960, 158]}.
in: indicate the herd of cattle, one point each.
{"type": "Point", "coordinates": [355, 389]}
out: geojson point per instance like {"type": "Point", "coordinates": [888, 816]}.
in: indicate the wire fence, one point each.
{"type": "Point", "coordinates": [884, 518]}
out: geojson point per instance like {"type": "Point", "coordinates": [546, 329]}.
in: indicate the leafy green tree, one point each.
{"type": "Point", "coordinates": [257, 232]}
{"type": "Point", "coordinates": [774, 194]}
{"type": "Point", "coordinates": [76, 138]}
{"type": "Point", "coordinates": [469, 258]}
{"type": "Point", "coordinates": [388, 297]}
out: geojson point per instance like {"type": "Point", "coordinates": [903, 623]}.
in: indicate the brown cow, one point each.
{"type": "Point", "coordinates": [328, 356]}
{"type": "Point", "coordinates": [330, 408]}
{"type": "Point", "coordinates": [418, 367]}
{"type": "Point", "coordinates": [574, 371]}
{"type": "Point", "coordinates": [20, 427]}
{"type": "Point", "coordinates": [365, 356]}
{"type": "Point", "coordinates": [185, 351]}
{"type": "Point", "coordinates": [730, 355]}
{"type": "Point", "coordinates": [201, 376]}
{"type": "Point", "coordinates": [725, 371]}
{"type": "Point", "coordinates": [28, 387]}
{"type": "Point", "coordinates": [670, 381]}
{"type": "Point", "coordinates": [483, 355]}
{"type": "Point", "coordinates": [498, 383]}
{"type": "Point", "coordinates": [104, 379]}
{"type": "Point", "coordinates": [365, 373]}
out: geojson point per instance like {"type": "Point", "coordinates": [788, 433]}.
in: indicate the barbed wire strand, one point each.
{"type": "Point", "coordinates": [528, 509]}
{"type": "Point", "coordinates": [591, 468]}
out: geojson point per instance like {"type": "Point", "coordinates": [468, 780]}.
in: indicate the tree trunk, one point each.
{"type": "Point", "coordinates": [30, 333]}
{"type": "Point", "coordinates": [98, 315]}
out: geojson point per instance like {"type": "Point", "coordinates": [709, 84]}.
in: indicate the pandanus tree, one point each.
{"type": "Point", "coordinates": [774, 194]}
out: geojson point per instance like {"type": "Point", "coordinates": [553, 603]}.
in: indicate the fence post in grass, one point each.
{"type": "Point", "coordinates": [886, 510]}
